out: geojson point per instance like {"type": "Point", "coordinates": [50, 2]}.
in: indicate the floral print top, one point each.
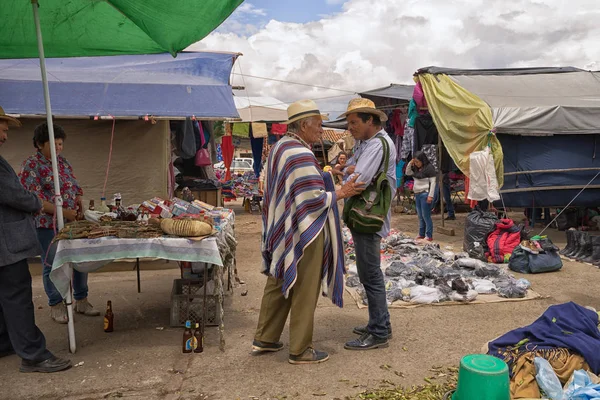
{"type": "Point", "coordinates": [36, 176]}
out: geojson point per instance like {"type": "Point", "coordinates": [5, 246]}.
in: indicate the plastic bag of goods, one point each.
{"type": "Point", "coordinates": [478, 226]}
{"type": "Point", "coordinates": [425, 295]}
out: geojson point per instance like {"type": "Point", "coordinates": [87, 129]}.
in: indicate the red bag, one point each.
{"type": "Point", "coordinates": [203, 158]}
{"type": "Point", "coordinates": [503, 240]}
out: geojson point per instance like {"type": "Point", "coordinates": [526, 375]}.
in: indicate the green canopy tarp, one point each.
{"type": "Point", "coordinates": [78, 28]}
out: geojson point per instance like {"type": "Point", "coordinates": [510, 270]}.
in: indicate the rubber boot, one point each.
{"type": "Point", "coordinates": [595, 259]}
{"type": "Point", "coordinates": [569, 245]}
{"type": "Point", "coordinates": [576, 237]}
{"type": "Point", "coordinates": [586, 247]}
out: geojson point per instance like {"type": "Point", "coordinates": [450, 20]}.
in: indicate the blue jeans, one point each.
{"type": "Point", "coordinates": [447, 198]}
{"type": "Point", "coordinates": [80, 286]}
{"type": "Point", "coordinates": [424, 213]}
{"type": "Point", "coordinates": [368, 263]}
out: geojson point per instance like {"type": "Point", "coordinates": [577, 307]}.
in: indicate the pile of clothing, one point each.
{"type": "Point", "coordinates": [425, 274]}
{"type": "Point", "coordinates": [558, 356]}
{"type": "Point", "coordinates": [245, 186]}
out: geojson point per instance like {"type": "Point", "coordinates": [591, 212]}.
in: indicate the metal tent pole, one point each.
{"type": "Point", "coordinates": [57, 198]}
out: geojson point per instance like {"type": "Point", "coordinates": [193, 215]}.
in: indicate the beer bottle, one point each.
{"type": "Point", "coordinates": [91, 207]}
{"type": "Point", "coordinates": [108, 318]}
{"type": "Point", "coordinates": [188, 338]}
{"type": "Point", "coordinates": [198, 339]}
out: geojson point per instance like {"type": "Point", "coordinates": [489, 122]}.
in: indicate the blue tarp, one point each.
{"type": "Point", "coordinates": [193, 84]}
{"type": "Point", "coordinates": [528, 153]}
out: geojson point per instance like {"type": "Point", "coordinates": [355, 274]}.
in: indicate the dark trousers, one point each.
{"type": "Point", "coordinates": [368, 263]}
{"type": "Point", "coordinates": [18, 331]}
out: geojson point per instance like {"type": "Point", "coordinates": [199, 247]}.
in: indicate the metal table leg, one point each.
{"type": "Point", "coordinates": [71, 321]}
{"type": "Point", "coordinates": [137, 267]}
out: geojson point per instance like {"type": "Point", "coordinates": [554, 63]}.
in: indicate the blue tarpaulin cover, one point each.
{"type": "Point", "coordinates": [193, 84]}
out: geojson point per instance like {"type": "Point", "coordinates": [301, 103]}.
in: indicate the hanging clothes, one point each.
{"type": "Point", "coordinates": [412, 113]}
{"type": "Point", "coordinates": [431, 151]}
{"type": "Point", "coordinates": [425, 131]}
{"type": "Point", "coordinates": [482, 176]}
{"type": "Point", "coordinates": [241, 129]}
{"type": "Point", "coordinates": [259, 130]}
{"type": "Point", "coordinates": [420, 99]}
{"type": "Point", "coordinates": [227, 149]}
{"type": "Point", "coordinates": [257, 152]}
{"type": "Point", "coordinates": [278, 129]}
{"type": "Point", "coordinates": [184, 138]}
{"type": "Point", "coordinates": [396, 122]}
{"type": "Point", "coordinates": [408, 142]}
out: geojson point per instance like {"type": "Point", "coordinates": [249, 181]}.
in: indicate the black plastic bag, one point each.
{"type": "Point", "coordinates": [478, 226]}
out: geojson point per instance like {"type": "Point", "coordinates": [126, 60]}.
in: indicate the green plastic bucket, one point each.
{"type": "Point", "coordinates": [482, 377]}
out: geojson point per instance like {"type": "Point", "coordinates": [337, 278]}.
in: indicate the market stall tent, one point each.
{"type": "Point", "coordinates": [130, 88]}
{"type": "Point", "coordinates": [261, 109]}
{"type": "Point", "coordinates": [547, 121]}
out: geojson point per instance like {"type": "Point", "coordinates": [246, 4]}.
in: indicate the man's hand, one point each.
{"type": "Point", "coordinates": [429, 200]}
{"type": "Point", "coordinates": [350, 188]}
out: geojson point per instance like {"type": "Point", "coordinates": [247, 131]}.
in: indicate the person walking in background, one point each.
{"type": "Point", "coordinates": [423, 174]}
{"type": "Point", "coordinates": [36, 176]}
{"type": "Point", "coordinates": [18, 241]}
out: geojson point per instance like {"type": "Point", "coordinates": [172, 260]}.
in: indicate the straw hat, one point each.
{"type": "Point", "coordinates": [11, 121]}
{"type": "Point", "coordinates": [303, 109]}
{"type": "Point", "coordinates": [362, 105]}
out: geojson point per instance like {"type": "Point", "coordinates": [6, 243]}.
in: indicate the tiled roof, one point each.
{"type": "Point", "coordinates": [334, 135]}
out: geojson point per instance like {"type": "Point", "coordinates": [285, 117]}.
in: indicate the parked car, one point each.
{"type": "Point", "coordinates": [238, 166]}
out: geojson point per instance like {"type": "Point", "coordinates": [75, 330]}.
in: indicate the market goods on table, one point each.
{"type": "Point", "coordinates": [151, 219]}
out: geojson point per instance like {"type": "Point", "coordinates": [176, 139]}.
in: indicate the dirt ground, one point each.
{"type": "Point", "coordinates": [140, 361]}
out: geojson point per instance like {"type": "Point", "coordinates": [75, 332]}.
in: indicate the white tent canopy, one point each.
{"type": "Point", "coordinates": [264, 109]}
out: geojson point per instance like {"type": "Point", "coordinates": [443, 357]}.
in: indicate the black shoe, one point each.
{"type": "Point", "coordinates": [576, 244]}
{"type": "Point", "coordinates": [361, 330]}
{"type": "Point", "coordinates": [569, 245]}
{"type": "Point", "coordinates": [310, 356]}
{"type": "Point", "coordinates": [586, 247]}
{"type": "Point", "coordinates": [367, 342]}
{"type": "Point", "coordinates": [451, 218]}
{"type": "Point", "coordinates": [259, 346]}
{"type": "Point", "coordinates": [53, 364]}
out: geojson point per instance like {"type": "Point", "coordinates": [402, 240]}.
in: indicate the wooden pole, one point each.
{"type": "Point", "coordinates": [441, 178]}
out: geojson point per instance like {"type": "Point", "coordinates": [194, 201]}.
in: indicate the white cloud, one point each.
{"type": "Point", "coordinates": [248, 8]}
{"type": "Point", "coordinates": [372, 44]}
{"type": "Point", "coordinates": [333, 2]}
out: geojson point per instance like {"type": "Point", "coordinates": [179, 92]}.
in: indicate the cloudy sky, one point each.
{"type": "Point", "coordinates": [357, 45]}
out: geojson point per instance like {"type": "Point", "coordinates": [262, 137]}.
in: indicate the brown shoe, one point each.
{"type": "Point", "coordinates": [84, 307]}
{"type": "Point", "coordinates": [58, 313]}
{"type": "Point", "coordinates": [310, 356]}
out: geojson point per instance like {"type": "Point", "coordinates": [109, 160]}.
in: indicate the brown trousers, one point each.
{"type": "Point", "coordinates": [302, 302]}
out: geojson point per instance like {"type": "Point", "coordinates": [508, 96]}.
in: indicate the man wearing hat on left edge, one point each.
{"type": "Point", "coordinates": [18, 241]}
{"type": "Point", "coordinates": [302, 249]}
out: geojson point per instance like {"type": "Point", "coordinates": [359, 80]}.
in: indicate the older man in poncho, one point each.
{"type": "Point", "coordinates": [302, 249]}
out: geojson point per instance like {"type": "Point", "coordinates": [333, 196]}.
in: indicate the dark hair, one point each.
{"type": "Point", "coordinates": [342, 153]}
{"type": "Point", "coordinates": [365, 117]}
{"type": "Point", "coordinates": [421, 156]}
{"type": "Point", "coordinates": [41, 135]}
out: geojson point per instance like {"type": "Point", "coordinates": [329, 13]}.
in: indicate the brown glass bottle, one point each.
{"type": "Point", "coordinates": [108, 317]}
{"type": "Point", "coordinates": [199, 339]}
{"type": "Point", "coordinates": [92, 206]}
{"type": "Point", "coordinates": [188, 338]}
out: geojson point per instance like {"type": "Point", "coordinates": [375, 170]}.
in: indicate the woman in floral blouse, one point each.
{"type": "Point", "coordinates": [36, 176]}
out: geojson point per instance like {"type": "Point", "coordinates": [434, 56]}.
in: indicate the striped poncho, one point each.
{"type": "Point", "coordinates": [299, 204]}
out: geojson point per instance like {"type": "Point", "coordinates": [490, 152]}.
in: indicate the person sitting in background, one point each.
{"type": "Point", "coordinates": [339, 167]}
{"type": "Point", "coordinates": [423, 174]}
{"type": "Point", "coordinates": [36, 176]}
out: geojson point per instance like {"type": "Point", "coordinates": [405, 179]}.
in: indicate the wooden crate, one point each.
{"type": "Point", "coordinates": [209, 196]}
